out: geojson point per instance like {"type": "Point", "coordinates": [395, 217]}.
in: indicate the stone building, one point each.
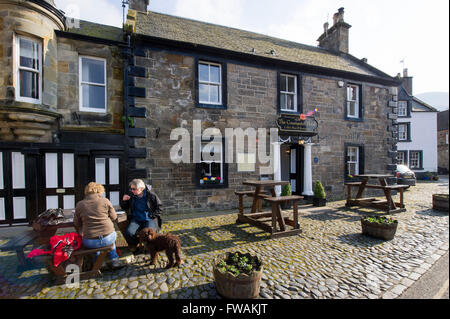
{"type": "Point", "coordinates": [335, 114]}
{"type": "Point", "coordinates": [82, 102]}
{"type": "Point", "coordinates": [442, 142]}
{"type": "Point", "coordinates": [61, 105]}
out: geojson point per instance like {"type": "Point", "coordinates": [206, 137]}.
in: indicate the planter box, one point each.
{"type": "Point", "coordinates": [319, 202]}
{"type": "Point", "coordinates": [440, 202]}
{"type": "Point", "coordinates": [382, 231]}
{"type": "Point", "coordinates": [241, 287]}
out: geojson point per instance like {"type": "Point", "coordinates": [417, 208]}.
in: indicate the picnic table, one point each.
{"type": "Point", "coordinates": [257, 218]}
{"type": "Point", "coordinates": [42, 237]}
{"type": "Point", "coordinates": [388, 204]}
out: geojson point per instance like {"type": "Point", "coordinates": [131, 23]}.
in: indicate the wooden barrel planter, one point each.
{"type": "Point", "coordinates": [377, 230]}
{"type": "Point", "coordinates": [440, 202]}
{"type": "Point", "coordinates": [242, 286]}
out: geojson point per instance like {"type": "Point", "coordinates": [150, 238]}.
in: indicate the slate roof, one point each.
{"type": "Point", "coordinates": [179, 29]}
{"type": "Point", "coordinates": [96, 30]}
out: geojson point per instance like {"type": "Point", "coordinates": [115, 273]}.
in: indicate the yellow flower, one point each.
{"type": "Point", "coordinates": [205, 178]}
{"type": "Point", "coordinates": [351, 176]}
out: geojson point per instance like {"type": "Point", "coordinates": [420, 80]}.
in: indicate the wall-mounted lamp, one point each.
{"type": "Point", "coordinates": [341, 84]}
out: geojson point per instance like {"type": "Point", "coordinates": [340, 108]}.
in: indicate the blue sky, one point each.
{"type": "Point", "coordinates": [383, 31]}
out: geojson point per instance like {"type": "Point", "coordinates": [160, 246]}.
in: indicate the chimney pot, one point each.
{"type": "Point", "coordinates": [405, 73]}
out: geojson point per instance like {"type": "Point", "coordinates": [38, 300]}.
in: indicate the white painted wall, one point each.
{"type": "Point", "coordinates": [423, 137]}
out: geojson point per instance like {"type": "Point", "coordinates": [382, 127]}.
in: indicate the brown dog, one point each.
{"type": "Point", "coordinates": [154, 243]}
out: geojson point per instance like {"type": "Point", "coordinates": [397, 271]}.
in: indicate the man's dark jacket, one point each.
{"type": "Point", "coordinates": [153, 204]}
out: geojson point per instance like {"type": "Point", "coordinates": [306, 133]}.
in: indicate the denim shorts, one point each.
{"type": "Point", "coordinates": [103, 241]}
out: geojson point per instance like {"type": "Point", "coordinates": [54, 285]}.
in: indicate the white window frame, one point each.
{"type": "Point", "coordinates": [356, 101]}
{"type": "Point", "coordinates": [404, 108]}
{"type": "Point", "coordinates": [412, 159]}
{"type": "Point", "coordinates": [283, 107]}
{"type": "Point", "coordinates": [402, 135]}
{"type": "Point", "coordinates": [403, 157]}
{"type": "Point", "coordinates": [20, 98]}
{"type": "Point", "coordinates": [209, 83]}
{"type": "Point", "coordinates": [356, 162]}
{"type": "Point", "coordinates": [80, 90]}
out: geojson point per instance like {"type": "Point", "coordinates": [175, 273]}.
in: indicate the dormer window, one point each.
{"type": "Point", "coordinates": [29, 70]}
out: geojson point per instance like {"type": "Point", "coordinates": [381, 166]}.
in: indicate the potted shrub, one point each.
{"type": "Point", "coordinates": [428, 176]}
{"type": "Point", "coordinates": [379, 227]}
{"type": "Point", "coordinates": [286, 191]}
{"type": "Point", "coordinates": [319, 199]}
{"type": "Point", "coordinates": [440, 202]}
{"type": "Point", "coordinates": [237, 275]}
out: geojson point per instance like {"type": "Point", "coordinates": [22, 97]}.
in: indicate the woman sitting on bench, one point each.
{"type": "Point", "coordinates": [93, 220]}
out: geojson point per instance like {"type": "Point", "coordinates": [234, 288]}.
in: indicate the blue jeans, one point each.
{"type": "Point", "coordinates": [103, 241]}
{"type": "Point", "coordinates": [134, 227]}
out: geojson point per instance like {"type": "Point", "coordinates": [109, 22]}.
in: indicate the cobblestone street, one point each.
{"type": "Point", "coordinates": [329, 259]}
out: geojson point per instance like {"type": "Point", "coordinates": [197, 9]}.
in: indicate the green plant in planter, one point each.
{"type": "Point", "coordinates": [319, 191]}
{"type": "Point", "coordinates": [380, 220]}
{"type": "Point", "coordinates": [238, 263]}
{"type": "Point", "coordinates": [319, 199]}
{"type": "Point", "coordinates": [286, 190]}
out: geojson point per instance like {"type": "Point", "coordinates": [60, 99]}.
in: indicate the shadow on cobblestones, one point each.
{"type": "Point", "coordinates": [359, 240]}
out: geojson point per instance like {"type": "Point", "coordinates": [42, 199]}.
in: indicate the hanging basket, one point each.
{"type": "Point", "coordinates": [377, 230]}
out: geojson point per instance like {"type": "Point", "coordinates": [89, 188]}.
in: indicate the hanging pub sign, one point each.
{"type": "Point", "coordinates": [295, 125]}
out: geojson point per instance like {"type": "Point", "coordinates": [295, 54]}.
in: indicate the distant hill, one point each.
{"type": "Point", "coordinates": [438, 100]}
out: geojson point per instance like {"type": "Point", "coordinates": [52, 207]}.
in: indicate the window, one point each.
{"type": "Point", "coordinates": [107, 173]}
{"type": "Point", "coordinates": [403, 132]}
{"type": "Point", "coordinates": [92, 84]}
{"type": "Point", "coordinates": [288, 93]}
{"type": "Point", "coordinates": [415, 159]}
{"type": "Point", "coordinates": [353, 101]}
{"type": "Point", "coordinates": [211, 166]}
{"type": "Point", "coordinates": [29, 70]}
{"type": "Point", "coordinates": [353, 160]}
{"type": "Point", "coordinates": [402, 108]}
{"type": "Point", "coordinates": [210, 83]}
{"type": "Point", "coordinates": [402, 157]}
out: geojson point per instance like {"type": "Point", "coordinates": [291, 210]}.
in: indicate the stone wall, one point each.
{"type": "Point", "coordinates": [442, 152]}
{"type": "Point", "coordinates": [252, 102]}
{"type": "Point", "coordinates": [69, 52]}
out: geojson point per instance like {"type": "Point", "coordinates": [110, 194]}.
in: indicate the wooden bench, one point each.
{"type": "Point", "coordinates": [78, 258]}
{"type": "Point", "coordinates": [276, 215]}
{"type": "Point", "coordinates": [241, 194]}
{"type": "Point", "coordinates": [18, 245]}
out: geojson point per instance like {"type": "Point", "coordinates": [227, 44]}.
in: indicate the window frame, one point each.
{"type": "Point", "coordinates": [222, 88]}
{"type": "Point", "coordinates": [407, 131]}
{"type": "Point", "coordinates": [420, 159]}
{"type": "Point", "coordinates": [405, 157]}
{"type": "Point", "coordinates": [406, 108]}
{"type": "Point", "coordinates": [347, 162]}
{"type": "Point", "coordinates": [358, 102]}
{"type": "Point", "coordinates": [18, 68]}
{"type": "Point", "coordinates": [224, 166]}
{"type": "Point", "coordinates": [361, 160]}
{"type": "Point", "coordinates": [81, 82]}
{"type": "Point", "coordinates": [295, 93]}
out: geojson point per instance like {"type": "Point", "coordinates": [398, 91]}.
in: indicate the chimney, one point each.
{"type": "Point", "coordinates": [407, 82]}
{"type": "Point", "coordinates": [336, 37]}
{"type": "Point", "coordinates": [138, 5]}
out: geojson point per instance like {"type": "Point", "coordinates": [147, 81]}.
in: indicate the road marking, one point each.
{"type": "Point", "coordinates": [441, 291]}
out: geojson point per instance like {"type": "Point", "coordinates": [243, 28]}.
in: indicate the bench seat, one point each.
{"type": "Point", "coordinates": [282, 199]}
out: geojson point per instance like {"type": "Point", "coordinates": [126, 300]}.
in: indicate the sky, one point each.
{"type": "Point", "coordinates": [385, 32]}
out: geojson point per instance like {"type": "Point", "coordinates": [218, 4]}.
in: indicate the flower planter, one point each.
{"type": "Point", "coordinates": [440, 202]}
{"type": "Point", "coordinates": [377, 230]}
{"type": "Point", "coordinates": [319, 202]}
{"type": "Point", "coordinates": [243, 286]}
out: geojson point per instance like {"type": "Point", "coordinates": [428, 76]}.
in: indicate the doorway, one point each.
{"type": "Point", "coordinates": [292, 166]}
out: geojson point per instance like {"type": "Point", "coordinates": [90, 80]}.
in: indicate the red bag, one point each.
{"type": "Point", "coordinates": [61, 247]}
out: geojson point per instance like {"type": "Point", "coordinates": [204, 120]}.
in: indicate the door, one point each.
{"type": "Point", "coordinates": [296, 169]}
{"type": "Point", "coordinates": [59, 184]}
{"type": "Point", "coordinates": [13, 194]}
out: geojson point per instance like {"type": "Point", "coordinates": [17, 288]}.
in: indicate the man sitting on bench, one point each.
{"type": "Point", "coordinates": [93, 220]}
